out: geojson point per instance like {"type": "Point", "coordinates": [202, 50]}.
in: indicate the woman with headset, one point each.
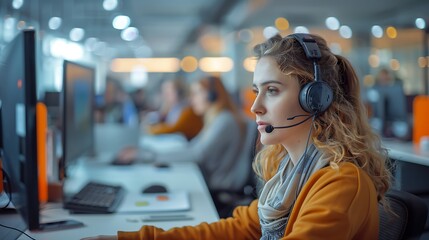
{"type": "Point", "coordinates": [323, 170]}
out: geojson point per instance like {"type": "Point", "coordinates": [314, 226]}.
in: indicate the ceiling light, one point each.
{"type": "Point", "coordinates": [420, 23]}
{"type": "Point", "coordinates": [270, 32]}
{"type": "Point", "coordinates": [346, 32]}
{"type": "Point", "coordinates": [77, 34]}
{"type": "Point", "coordinates": [301, 29]}
{"type": "Point", "coordinates": [130, 34]}
{"type": "Point", "coordinates": [249, 64]}
{"type": "Point", "coordinates": [109, 5]}
{"type": "Point", "coordinates": [282, 23]}
{"type": "Point", "coordinates": [189, 64]}
{"type": "Point", "coordinates": [121, 22]}
{"type": "Point", "coordinates": [149, 64]}
{"type": "Point", "coordinates": [54, 23]}
{"type": "Point", "coordinates": [391, 32]}
{"type": "Point", "coordinates": [332, 23]}
{"type": "Point", "coordinates": [377, 31]}
{"type": "Point", "coordinates": [17, 4]}
{"type": "Point", "coordinates": [216, 64]}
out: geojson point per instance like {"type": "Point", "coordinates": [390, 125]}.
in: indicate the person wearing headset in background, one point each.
{"type": "Point", "coordinates": [175, 114]}
{"type": "Point", "coordinates": [323, 169]}
{"type": "Point", "coordinates": [217, 146]}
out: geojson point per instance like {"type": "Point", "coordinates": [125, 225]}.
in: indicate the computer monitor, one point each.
{"type": "Point", "coordinates": [18, 123]}
{"type": "Point", "coordinates": [78, 108]}
{"type": "Point", "coordinates": [19, 129]}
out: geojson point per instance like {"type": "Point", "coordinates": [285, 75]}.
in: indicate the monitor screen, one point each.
{"type": "Point", "coordinates": [78, 107]}
{"type": "Point", "coordinates": [18, 123]}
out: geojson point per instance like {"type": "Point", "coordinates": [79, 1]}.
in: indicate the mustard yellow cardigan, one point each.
{"type": "Point", "coordinates": [333, 204]}
{"type": "Point", "coordinates": [188, 123]}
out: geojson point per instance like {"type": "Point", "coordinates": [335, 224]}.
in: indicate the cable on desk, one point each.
{"type": "Point", "coordinates": [10, 200]}
{"type": "Point", "coordinates": [16, 229]}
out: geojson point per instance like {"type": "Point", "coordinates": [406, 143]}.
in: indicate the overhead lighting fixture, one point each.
{"type": "Point", "coordinates": [216, 64]}
{"type": "Point", "coordinates": [121, 22]}
{"type": "Point", "coordinates": [77, 34]}
{"type": "Point", "coordinates": [346, 32]}
{"type": "Point", "coordinates": [332, 23]}
{"type": "Point", "coordinates": [149, 64]}
{"type": "Point", "coordinates": [420, 23]}
{"type": "Point", "coordinates": [270, 32]}
{"type": "Point", "coordinates": [301, 29]}
{"type": "Point", "coordinates": [130, 34]}
{"type": "Point", "coordinates": [281, 23]}
{"type": "Point", "coordinates": [377, 31]}
{"type": "Point", "coordinates": [189, 64]}
{"type": "Point", "coordinates": [17, 4]}
{"type": "Point", "coordinates": [54, 23]}
{"type": "Point", "coordinates": [110, 5]}
{"type": "Point", "coordinates": [61, 48]}
{"type": "Point", "coordinates": [250, 64]}
{"type": "Point", "coordinates": [391, 32]}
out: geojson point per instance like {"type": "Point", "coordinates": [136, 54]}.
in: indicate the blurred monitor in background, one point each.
{"type": "Point", "coordinates": [78, 107]}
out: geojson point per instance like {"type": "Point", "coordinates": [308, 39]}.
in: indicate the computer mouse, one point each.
{"type": "Point", "coordinates": [155, 188]}
{"type": "Point", "coordinates": [161, 165]}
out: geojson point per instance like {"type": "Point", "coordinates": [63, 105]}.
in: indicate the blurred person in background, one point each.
{"type": "Point", "coordinates": [175, 114]}
{"type": "Point", "coordinates": [217, 146]}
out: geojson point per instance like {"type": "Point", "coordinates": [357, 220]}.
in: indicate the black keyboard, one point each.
{"type": "Point", "coordinates": [96, 198]}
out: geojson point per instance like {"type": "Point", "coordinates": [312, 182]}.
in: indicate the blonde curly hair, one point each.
{"type": "Point", "coordinates": [342, 133]}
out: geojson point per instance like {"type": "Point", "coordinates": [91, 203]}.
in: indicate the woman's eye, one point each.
{"type": "Point", "coordinates": [272, 90]}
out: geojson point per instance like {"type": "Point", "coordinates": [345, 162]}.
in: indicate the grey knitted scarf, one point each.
{"type": "Point", "coordinates": [279, 194]}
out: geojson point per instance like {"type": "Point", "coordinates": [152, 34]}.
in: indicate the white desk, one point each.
{"type": "Point", "coordinates": [183, 176]}
{"type": "Point", "coordinates": [406, 152]}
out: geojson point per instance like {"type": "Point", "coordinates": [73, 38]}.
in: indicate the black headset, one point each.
{"type": "Point", "coordinates": [212, 94]}
{"type": "Point", "coordinates": [316, 96]}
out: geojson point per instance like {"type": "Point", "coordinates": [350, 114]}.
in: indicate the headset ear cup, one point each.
{"type": "Point", "coordinates": [303, 97]}
{"type": "Point", "coordinates": [315, 97]}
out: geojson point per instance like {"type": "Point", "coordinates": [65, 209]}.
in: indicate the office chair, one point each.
{"type": "Point", "coordinates": [411, 216]}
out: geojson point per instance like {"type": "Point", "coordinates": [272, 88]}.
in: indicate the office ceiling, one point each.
{"type": "Point", "coordinates": [169, 26]}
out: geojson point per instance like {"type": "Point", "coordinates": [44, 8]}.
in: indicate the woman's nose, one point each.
{"type": "Point", "coordinates": [257, 107]}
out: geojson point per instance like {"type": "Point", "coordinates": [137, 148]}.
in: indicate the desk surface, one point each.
{"type": "Point", "coordinates": [407, 152]}
{"type": "Point", "coordinates": [179, 177]}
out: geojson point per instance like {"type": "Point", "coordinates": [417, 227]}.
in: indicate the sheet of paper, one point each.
{"type": "Point", "coordinates": [155, 202]}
